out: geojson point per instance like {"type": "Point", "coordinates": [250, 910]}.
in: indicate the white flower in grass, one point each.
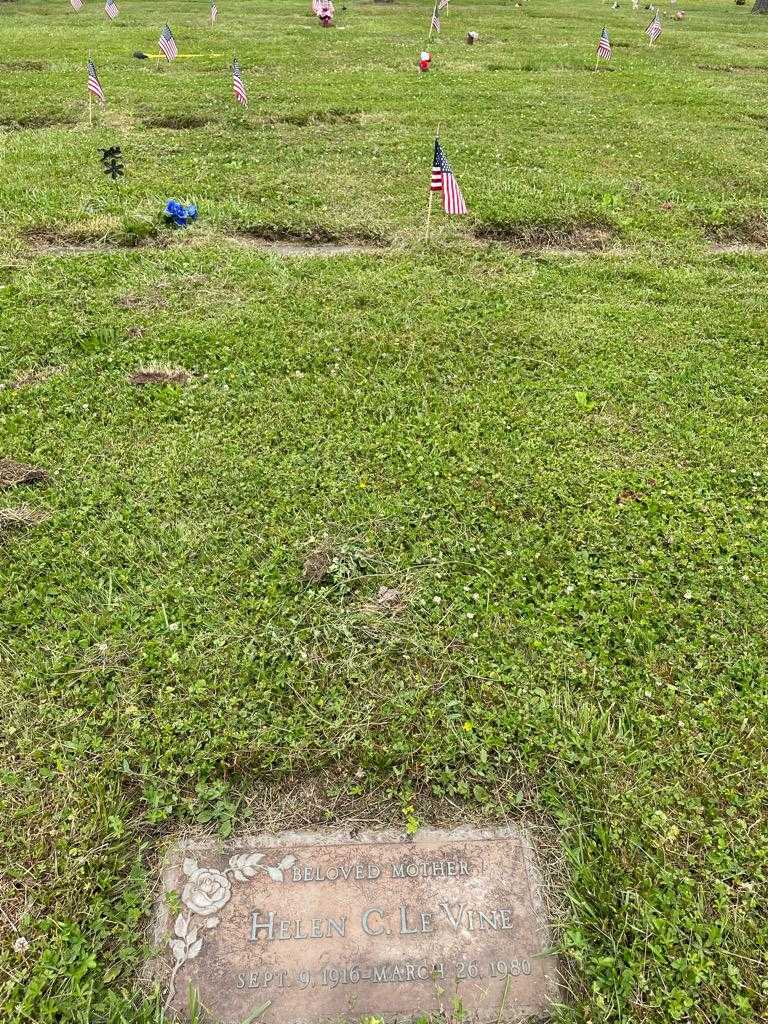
{"type": "Point", "coordinates": [206, 892]}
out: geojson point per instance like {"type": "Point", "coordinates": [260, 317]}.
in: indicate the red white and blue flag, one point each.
{"type": "Point", "coordinates": [94, 85]}
{"type": "Point", "coordinates": [444, 181]}
{"type": "Point", "coordinates": [168, 44]}
{"type": "Point", "coordinates": [442, 5]}
{"type": "Point", "coordinates": [77, 5]}
{"type": "Point", "coordinates": [604, 49]}
{"type": "Point", "coordinates": [110, 9]}
{"type": "Point", "coordinates": [654, 29]}
{"type": "Point", "coordinates": [237, 83]}
{"type": "Point", "coordinates": [214, 13]}
{"type": "Point", "coordinates": [435, 20]}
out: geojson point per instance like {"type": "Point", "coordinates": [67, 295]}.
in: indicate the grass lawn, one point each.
{"type": "Point", "coordinates": [558, 458]}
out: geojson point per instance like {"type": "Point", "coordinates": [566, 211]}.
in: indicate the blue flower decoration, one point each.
{"type": "Point", "coordinates": [178, 215]}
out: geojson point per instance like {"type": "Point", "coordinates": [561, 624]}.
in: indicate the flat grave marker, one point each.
{"type": "Point", "coordinates": [325, 928]}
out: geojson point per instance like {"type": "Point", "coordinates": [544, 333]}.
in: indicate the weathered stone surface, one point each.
{"type": "Point", "coordinates": [327, 928]}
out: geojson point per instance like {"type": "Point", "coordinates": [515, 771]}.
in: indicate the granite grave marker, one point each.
{"type": "Point", "coordinates": [328, 928]}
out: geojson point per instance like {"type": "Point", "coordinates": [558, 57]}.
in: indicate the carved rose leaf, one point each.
{"type": "Point", "coordinates": [179, 950]}
{"type": "Point", "coordinates": [211, 922]}
{"type": "Point", "coordinates": [194, 949]}
{"type": "Point", "coordinates": [287, 862]}
{"type": "Point", "coordinates": [245, 865]}
{"type": "Point", "coordinates": [275, 874]}
{"type": "Point", "coordinates": [189, 867]}
{"type": "Point", "coordinates": [181, 925]}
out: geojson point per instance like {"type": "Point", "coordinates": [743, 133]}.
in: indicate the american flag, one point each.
{"type": "Point", "coordinates": [237, 83]}
{"type": "Point", "coordinates": [110, 8]}
{"type": "Point", "coordinates": [436, 20]}
{"type": "Point", "coordinates": [94, 85]}
{"type": "Point", "coordinates": [168, 44]}
{"type": "Point", "coordinates": [77, 4]}
{"type": "Point", "coordinates": [654, 29]}
{"type": "Point", "coordinates": [442, 5]}
{"type": "Point", "coordinates": [444, 181]}
{"type": "Point", "coordinates": [604, 49]}
{"type": "Point", "coordinates": [214, 13]}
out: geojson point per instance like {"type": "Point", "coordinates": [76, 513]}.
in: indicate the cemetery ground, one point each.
{"type": "Point", "coordinates": [478, 524]}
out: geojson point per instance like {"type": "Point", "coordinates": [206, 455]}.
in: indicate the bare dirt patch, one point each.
{"type": "Point", "coordinates": [310, 241]}
{"type": "Point", "coordinates": [158, 374]}
{"type": "Point", "coordinates": [747, 235]}
{"type": "Point", "coordinates": [18, 122]}
{"type": "Point", "coordinates": [13, 473]}
{"type": "Point", "coordinates": [735, 69]}
{"type": "Point", "coordinates": [388, 601]}
{"type": "Point", "coordinates": [22, 65]}
{"type": "Point", "coordinates": [177, 122]}
{"type": "Point", "coordinates": [308, 118]}
{"type": "Point", "coordinates": [147, 301]}
{"type": "Point", "coordinates": [583, 236]}
{"type": "Point", "coordinates": [627, 496]}
{"type": "Point", "coordinates": [87, 240]}
{"type": "Point", "coordinates": [285, 241]}
{"type": "Point", "coordinates": [20, 518]}
{"type": "Point", "coordinates": [318, 563]}
{"type": "Point", "coordinates": [30, 378]}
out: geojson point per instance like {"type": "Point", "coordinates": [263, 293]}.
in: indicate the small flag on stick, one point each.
{"type": "Point", "coordinates": [94, 85]}
{"type": "Point", "coordinates": [604, 48]}
{"type": "Point", "coordinates": [110, 9]}
{"type": "Point", "coordinates": [654, 29]}
{"type": "Point", "coordinates": [237, 83]}
{"type": "Point", "coordinates": [442, 5]}
{"type": "Point", "coordinates": [325, 12]}
{"type": "Point", "coordinates": [77, 5]}
{"type": "Point", "coordinates": [168, 44]}
{"type": "Point", "coordinates": [214, 13]}
{"type": "Point", "coordinates": [435, 25]}
{"type": "Point", "coordinates": [443, 181]}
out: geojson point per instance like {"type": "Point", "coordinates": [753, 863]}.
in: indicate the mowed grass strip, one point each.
{"type": "Point", "coordinates": [556, 461]}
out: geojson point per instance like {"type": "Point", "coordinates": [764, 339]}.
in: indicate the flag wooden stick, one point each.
{"type": "Point", "coordinates": [431, 196]}
{"type": "Point", "coordinates": [597, 63]}
{"type": "Point", "coordinates": [90, 96]}
{"type": "Point", "coordinates": [432, 23]}
{"type": "Point", "coordinates": [429, 212]}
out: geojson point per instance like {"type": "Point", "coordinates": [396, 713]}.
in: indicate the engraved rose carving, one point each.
{"type": "Point", "coordinates": [206, 892]}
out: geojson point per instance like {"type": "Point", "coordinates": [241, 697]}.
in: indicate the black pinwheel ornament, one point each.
{"type": "Point", "coordinates": [112, 162]}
